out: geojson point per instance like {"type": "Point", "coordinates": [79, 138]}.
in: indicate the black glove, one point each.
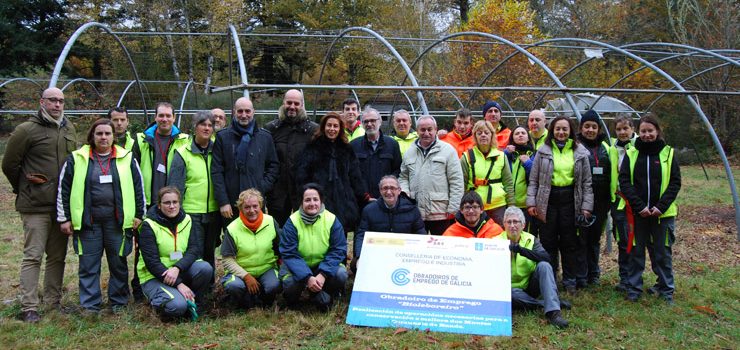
{"type": "Point", "coordinates": [514, 247]}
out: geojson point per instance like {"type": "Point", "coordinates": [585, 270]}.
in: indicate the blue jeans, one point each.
{"type": "Point", "coordinates": [89, 244]}
{"type": "Point", "coordinates": [237, 289]}
{"type": "Point", "coordinates": [292, 288]}
{"type": "Point", "coordinates": [168, 300]}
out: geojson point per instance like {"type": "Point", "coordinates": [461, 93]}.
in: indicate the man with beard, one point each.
{"type": "Point", "coordinates": [290, 134]}
{"type": "Point", "coordinates": [243, 157]}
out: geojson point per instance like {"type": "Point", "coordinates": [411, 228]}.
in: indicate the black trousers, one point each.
{"type": "Point", "coordinates": [591, 240]}
{"type": "Point", "coordinates": [559, 236]}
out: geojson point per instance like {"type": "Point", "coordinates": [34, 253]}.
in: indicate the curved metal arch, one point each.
{"type": "Point", "coordinates": [71, 82]}
{"type": "Point", "coordinates": [389, 46]}
{"type": "Point", "coordinates": [587, 60]}
{"type": "Point", "coordinates": [21, 79]}
{"type": "Point", "coordinates": [517, 47]}
{"type": "Point", "coordinates": [123, 94]}
{"type": "Point", "coordinates": [71, 41]}
{"type": "Point", "coordinates": [239, 58]}
{"type": "Point", "coordinates": [182, 100]}
{"type": "Point", "coordinates": [456, 99]}
{"type": "Point", "coordinates": [692, 102]}
{"type": "Point", "coordinates": [650, 106]}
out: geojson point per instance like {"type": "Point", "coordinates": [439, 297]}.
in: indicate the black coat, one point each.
{"type": "Point", "coordinates": [344, 188]}
{"type": "Point", "coordinates": [598, 157]}
{"type": "Point", "coordinates": [290, 140]}
{"type": "Point", "coordinates": [403, 218]}
{"type": "Point", "coordinates": [645, 192]}
{"type": "Point", "coordinates": [384, 160]}
{"type": "Point", "coordinates": [261, 171]}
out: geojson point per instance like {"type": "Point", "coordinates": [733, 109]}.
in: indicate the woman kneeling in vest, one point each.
{"type": "Point", "coordinates": [650, 180]}
{"type": "Point", "coordinates": [169, 272]}
{"type": "Point", "coordinates": [486, 171]}
{"type": "Point", "coordinates": [250, 251]}
{"type": "Point", "coordinates": [313, 247]}
{"type": "Point", "coordinates": [111, 176]}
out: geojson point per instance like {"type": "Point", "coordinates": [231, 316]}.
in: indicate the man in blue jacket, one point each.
{"type": "Point", "coordinates": [395, 212]}
{"type": "Point", "coordinates": [378, 154]}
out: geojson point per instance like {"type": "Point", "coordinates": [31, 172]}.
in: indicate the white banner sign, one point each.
{"type": "Point", "coordinates": [446, 284]}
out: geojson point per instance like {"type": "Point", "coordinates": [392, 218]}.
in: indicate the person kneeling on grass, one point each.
{"type": "Point", "coordinates": [313, 247]}
{"type": "Point", "coordinates": [250, 251]}
{"type": "Point", "coordinates": [170, 273]}
{"type": "Point", "coordinates": [472, 221]}
{"type": "Point", "coordinates": [531, 273]}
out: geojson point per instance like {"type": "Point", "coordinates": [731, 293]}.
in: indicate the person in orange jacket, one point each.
{"type": "Point", "coordinates": [461, 137]}
{"type": "Point", "coordinates": [492, 113]}
{"type": "Point", "coordinates": [472, 221]}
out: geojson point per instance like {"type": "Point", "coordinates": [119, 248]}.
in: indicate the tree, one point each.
{"type": "Point", "coordinates": [30, 34]}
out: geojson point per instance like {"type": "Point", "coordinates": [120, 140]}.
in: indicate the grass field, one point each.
{"type": "Point", "coordinates": [706, 314]}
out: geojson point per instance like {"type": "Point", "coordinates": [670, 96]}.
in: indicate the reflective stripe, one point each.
{"type": "Point", "coordinates": [168, 292]}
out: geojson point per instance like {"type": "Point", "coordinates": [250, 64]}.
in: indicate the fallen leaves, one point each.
{"type": "Point", "coordinates": [705, 310]}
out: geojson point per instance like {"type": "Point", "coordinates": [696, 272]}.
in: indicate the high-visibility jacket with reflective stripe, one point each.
{"type": "Point", "coordinates": [166, 244]}
{"type": "Point", "coordinates": [254, 250]}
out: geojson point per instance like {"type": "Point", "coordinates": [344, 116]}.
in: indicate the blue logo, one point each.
{"type": "Point", "coordinates": [399, 277]}
{"type": "Point", "coordinates": [479, 246]}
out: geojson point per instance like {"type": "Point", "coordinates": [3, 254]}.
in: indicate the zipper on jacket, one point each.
{"type": "Point", "coordinates": [648, 180]}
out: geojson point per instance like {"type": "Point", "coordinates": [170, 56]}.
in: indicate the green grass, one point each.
{"type": "Point", "coordinates": [706, 313]}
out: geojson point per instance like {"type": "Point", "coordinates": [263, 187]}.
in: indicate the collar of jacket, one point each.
{"type": "Point", "coordinates": [149, 132]}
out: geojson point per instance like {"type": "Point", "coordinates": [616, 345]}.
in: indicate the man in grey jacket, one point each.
{"type": "Point", "coordinates": [431, 174]}
{"type": "Point", "coordinates": [33, 159]}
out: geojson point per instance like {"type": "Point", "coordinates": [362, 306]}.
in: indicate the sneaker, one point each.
{"type": "Point", "coordinates": [31, 316]}
{"type": "Point", "coordinates": [566, 305]}
{"type": "Point", "coordinates": [556, 319]}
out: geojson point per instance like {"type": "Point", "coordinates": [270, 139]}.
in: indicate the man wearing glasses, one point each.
{"type": "Point", "coordinates": [393, 212]}
{"type": "Point", "coordinates": [33, 159]}
{"type": "Point", "coordinates": [472, 221]}
{"type": "Point", "coordinates": [531, 273]}
{"type": "Point", "coordinates": [378, 154]}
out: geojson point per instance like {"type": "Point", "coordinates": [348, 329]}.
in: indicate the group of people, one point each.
{"type": "Point", "coordinates": [280, 199]}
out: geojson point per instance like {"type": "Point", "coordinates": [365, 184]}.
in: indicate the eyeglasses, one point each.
{"type": "Point", "coordinates": [389, 188]}
{"type": "Point", "coordinates": [170, 203]}
{"type": "Point", "coordinates": [470, 207]}
{"type": "Point", "coordinates": [54, 100]}
{"type": "Point", "coordinates": [370, 121]}
{"type": "Point", "coordinates": [513, 222]}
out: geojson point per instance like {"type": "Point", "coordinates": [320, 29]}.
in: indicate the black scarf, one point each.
{"type": "Point", "coordinates": [246, 132]}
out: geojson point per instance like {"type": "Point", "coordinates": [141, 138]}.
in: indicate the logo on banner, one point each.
{"type": "Point", "coordinates": [479, 246]}
{"type": "Point", "coordinates": [400, 277]}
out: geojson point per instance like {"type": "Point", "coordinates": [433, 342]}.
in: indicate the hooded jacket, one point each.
{"type": "Point", "coordinates": [290, 137]}
{"type": "Point", "coordinates": [403, 218]}
{"type": "Point", "coordinates": [144, 149]}
{"type": "Point", "coordinates": [485, 228]}
{"type": "Point", "coordinates": [260, 171]}
{"type": "Point", "coordinates": [540, 180]}
{"type": "Point", "coordinates": [334, 166]}
{"type": "Point", "coordinates": [37, 147]}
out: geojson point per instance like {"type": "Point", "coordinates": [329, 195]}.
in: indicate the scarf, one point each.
{"type": "Point", "coordinates": [246, 132]}
{"type": "Point", "coordinates": [310, 219]}
{"type": "Point", "coordinates": [251, 225]}
{"type": "Point", "coordinates": [46, 116]}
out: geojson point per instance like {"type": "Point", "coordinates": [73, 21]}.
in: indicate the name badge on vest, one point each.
{"type": "Point", "coordinates": [161, 168]}
{"type": "Point", "coordinates": [106, 179]}
{"type": "Point", "coordinates": [175, 255]}
{"type": "Point", "coordinates": [597, 170]}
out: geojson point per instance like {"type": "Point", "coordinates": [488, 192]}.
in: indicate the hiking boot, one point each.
{"type": "Point", "coordinates": [556, 319]}
{"type": "Point", "coordinates": [566, 305]}
{"type": "Point", "coordinates": [31, 316]}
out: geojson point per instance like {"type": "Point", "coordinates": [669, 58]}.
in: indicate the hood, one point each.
{"type": "Point", "coordinates": [153, 128]}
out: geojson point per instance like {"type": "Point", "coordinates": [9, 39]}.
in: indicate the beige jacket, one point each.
{"type": "Point", "coordinates": [540, 179]}
{"type": "Point", "coordinates": [435, 181]}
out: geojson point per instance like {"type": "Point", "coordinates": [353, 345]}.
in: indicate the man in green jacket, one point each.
{"type": "Point", "coordinates": [531, 273]}
{"type": "Point", "coordinates": [33, 159]}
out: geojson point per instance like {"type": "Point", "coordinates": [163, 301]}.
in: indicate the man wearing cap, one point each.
{"type": "Point", "coordinates": [33, 159]}
{"type": "Point", "coordinates": [492, 113]}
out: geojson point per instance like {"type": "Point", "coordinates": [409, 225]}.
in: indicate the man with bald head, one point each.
{"type": "Point", "coordinates": [537, 127]}
{"type": "Point", "coordinates": [291, 132]}
{"type": "Point", "coordinates": [243, 157]}
{"type": "Point", "coordinates": [219, 117]}
{"type": "Point", "coordinates": [33, 159]}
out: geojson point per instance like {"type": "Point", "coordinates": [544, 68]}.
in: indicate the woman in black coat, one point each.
{"type": "Point", "coordinates": [330, 161]}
